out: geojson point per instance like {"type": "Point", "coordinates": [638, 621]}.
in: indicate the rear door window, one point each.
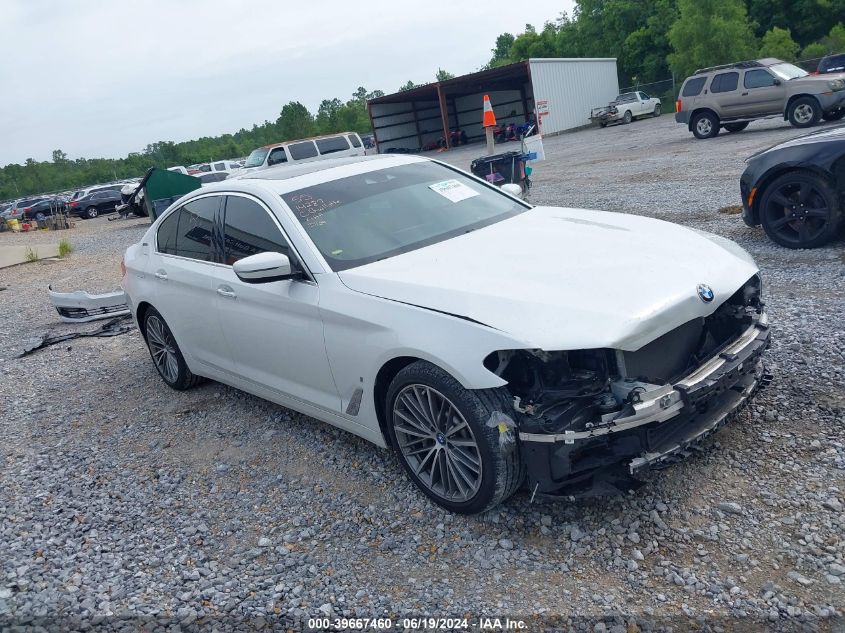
{"type": "Point", "coordinates": [249, 230]}
{"type": "Point", "coordinates": [724, 82]}
{"type": "Point", "coordinates": [758, 79]}
{"type": "Point", "coordinates": [301, 151]}
{"type": "Point", "coordinates": [166, 236]}
{"type": "Point", "coordinates": [353, 138]}
{"type": "Point", "coordinates": [333, 144]}
{"type": "Point", "coordinates": [187, 231]}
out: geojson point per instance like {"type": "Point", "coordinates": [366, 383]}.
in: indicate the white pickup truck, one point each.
{"type": "Point", "coordinates": [626, 107]}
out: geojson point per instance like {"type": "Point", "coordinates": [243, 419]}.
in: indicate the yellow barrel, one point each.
{"type": "Point", "coordinates": [14, 224]}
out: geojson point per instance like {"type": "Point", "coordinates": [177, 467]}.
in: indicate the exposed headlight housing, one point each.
{"type": "Point", "coordinates": [836, 84]}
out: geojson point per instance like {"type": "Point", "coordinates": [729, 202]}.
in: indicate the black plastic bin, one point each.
{"type": "Point", "coordinates": [501, 169]}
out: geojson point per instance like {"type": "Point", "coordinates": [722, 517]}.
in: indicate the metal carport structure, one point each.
{"type": "Point", "coordinates": [560, 92]}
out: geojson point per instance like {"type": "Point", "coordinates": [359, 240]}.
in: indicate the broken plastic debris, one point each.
{"type": "Point", "coordinates": [506, 426]}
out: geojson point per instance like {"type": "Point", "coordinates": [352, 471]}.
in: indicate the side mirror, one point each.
{"type": "Point", "coordinates": [777, 82]}
{"type": "Point", "coordinates": [263, 268]}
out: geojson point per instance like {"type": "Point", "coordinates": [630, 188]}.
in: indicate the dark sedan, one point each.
{"type": "Point", "coordinates": [95, 204]}
{"type": "Point", "coordinates": [792, 189]}
{"type": "Point", "coordinates": [44, 208]}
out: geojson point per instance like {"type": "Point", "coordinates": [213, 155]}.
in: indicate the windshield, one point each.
{"type": "Point", "coordinates": [361, 219]}
{"type": "Point", "coordinates": [788, 71]}
{"type": "Point", "coordinates": [256, 158]}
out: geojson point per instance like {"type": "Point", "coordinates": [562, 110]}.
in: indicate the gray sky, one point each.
{"type": "Point", "coordinates": [102, 78]}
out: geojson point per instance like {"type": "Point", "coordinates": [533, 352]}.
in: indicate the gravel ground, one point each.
{"type": "Point", "coordinates": [123, 500]}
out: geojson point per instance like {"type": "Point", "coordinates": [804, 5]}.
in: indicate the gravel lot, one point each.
{"type": "Point", "coordinates": [122, 500]}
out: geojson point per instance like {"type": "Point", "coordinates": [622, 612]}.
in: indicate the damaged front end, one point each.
{"type": "Point", "coordinates": [589, 420]}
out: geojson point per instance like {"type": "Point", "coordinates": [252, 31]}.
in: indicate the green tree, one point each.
{"type": "Point", "coordinates": [410, 85]}
{"type": "Point", "coordinates": [814, 50]}
{"type": "Point", "coordinates": [501, 50]}
{"type": "Point", "coordinates": [59, 156]}
{"type": "Point", "coordinates": [779, 43]}
{"type": "Point", "coordinates": [295, 121]}
{"type": "Point", "coordinates": [443, 75]}
{"type": "Point", "coordinates": [709, 32]}
{"type": "Point", "coordinates": [836, 38]}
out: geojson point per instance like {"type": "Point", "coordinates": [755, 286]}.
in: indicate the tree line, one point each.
{"type": "Point", "coordinates": [294, 121]}
{"type": "Point", "coordinates": [652, 39]}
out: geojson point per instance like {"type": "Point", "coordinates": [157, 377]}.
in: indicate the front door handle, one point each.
{"type": "Point", "coordinates": [226, 291]}
{"type": "Point", "coordinates": [160, 274]}
{"type": "Point", "coordinates": [744, 94]}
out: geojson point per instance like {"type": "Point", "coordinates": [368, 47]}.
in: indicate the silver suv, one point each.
{"type": "Point", "coordinates": [733, 95]}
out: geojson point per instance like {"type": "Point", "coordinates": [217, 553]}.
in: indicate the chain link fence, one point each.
{"type": "Point", "coordinates": [667, 89]}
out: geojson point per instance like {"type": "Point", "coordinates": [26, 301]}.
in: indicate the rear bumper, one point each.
{"type": "Point", "coordinates": [682, 117]}
{"type": "Point", "coordinates": [665, 427]}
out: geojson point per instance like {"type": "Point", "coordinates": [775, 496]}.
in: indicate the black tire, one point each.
{"type": "Point", "coordinates": [736, 127]}
{"type": "Point", "coordinates": [627, 117]}
{"type": "Point", "coordinates": [705, 125]}
{"type": "Point", "coordinates": [181, 377]}
{"type": "Point", "coordinates": [657, 111]}
{"type": "Point", "coordinates": [501, 467]}
{"type": "Point", "coordinates": [804, 112]}
{"type": "Point", "coordinates": [833, 115]}
{"type": "Point", "coordinates": [603, 124]}
{"type": "Point", "coordinates": [800, 209]}
{"type": "Point", "coordinates": [91, 213]}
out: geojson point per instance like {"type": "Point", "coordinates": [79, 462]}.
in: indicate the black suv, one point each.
{"type": "Point", "coordinates": [832, 64]}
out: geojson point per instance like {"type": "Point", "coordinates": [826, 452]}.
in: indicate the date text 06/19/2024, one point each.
{"type": "Point", "coordinates": [416, 624]}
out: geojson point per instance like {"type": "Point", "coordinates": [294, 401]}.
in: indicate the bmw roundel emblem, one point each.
{"type": "Point", "coordinates": [705, 293]}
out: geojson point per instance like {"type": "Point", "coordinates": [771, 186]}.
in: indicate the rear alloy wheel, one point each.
{"type": "Point", "coordinates": [91, 213]}
{"type": "Point", "coordinates": [705, 125]}
{"type": "Point", "coordinates": [166, 354]}
{"type": "Point", "coordinates": [833, 115]}
{"type": "Point", "coordinates": [736, 127]}
{"type": "Point", "coordinates": [657, 111]}
{"type": "Point", "coordinates": [441, 433]}
{"type": "Point", "coordinates": [800, 210]}
{"type": "Point", "coordinates": [804, 112]}
{"type": "Point", "coordinates": [628, 117]}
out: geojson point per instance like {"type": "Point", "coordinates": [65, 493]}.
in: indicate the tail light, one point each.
{"type": "Point", "coordinates": [25, 209]}
{"type": "Point", "coordinates": [679, 105]}
{"type": "Point", "coordinates": [73, 204]}
{"type": "Point", "coordinates": [123, 266]}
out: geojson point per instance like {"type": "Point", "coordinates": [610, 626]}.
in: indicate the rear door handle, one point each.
{"type": "Point", "coordinates": [160, 274]}
{"type": "Point", "coordinates": [744, 94]}
{"type": "Point", "coordinates": [226, 291]}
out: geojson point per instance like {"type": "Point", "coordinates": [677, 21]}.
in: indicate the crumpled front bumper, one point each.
{"type": "Point", "coordinates": [666, 426]}
{"type": "Point", "coordinates": [80, 306]}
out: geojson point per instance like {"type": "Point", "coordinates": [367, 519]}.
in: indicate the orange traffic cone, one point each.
{"type": "Point", "coordinates": [489, 118]}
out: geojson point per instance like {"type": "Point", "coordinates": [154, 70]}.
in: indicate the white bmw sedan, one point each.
{"type": "Point", "coordinates": [490, 343]}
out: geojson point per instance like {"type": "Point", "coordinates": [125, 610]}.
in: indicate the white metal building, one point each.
{"type": "Point", "coordinates": [559, 92]}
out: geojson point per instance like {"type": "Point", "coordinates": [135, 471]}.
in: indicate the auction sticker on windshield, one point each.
{"type": "Point", "coordinates": [453, 190]}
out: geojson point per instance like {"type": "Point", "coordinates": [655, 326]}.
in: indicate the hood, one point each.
{"type": "Point", "coordinates": [822, 136]}
{"type": "Point", "coordinates": [559, 279]}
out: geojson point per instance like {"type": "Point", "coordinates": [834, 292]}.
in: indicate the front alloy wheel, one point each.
{"type": "Point", "coordinates": [800, 210]}
{"type": "Point", "coordinates": [804, 112]}
{"type": "Point", "coordinates": [443, 436]}
{"type": "Point", "coordinates": [91, 213]}
{"type": "Point", "coordinates": [437, 443]}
